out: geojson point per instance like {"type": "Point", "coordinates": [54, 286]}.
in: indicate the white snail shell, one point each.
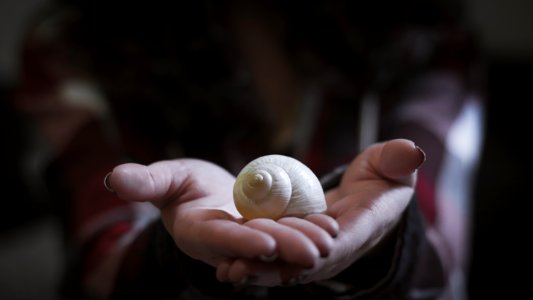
{"type": "Point", "coordinates": [274, 186]}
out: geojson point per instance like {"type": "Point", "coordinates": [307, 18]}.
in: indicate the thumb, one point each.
{"type": "Point", "coordinates": [399, 159]}
{"type": "Point", "coordinates": [153, 183]}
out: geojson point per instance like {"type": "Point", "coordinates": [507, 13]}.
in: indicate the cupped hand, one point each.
{"type": "Point", "coordinates": [196, 202]}
{"type": "Point", "coordinates": [368, 203]}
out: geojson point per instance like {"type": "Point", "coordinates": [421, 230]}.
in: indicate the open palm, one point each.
{"type": "Point", "coordinates": [369, 202]}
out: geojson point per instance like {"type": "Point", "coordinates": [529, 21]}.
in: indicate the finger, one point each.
{"type": "Point", "coordinates": [240, 272]}
{"type": "Point", "coordinates": [321, 238]}
{"type": "Point", "coordinates": [293, 246]}
{"type": "Point", "coordinates": [135, 182]}
{"type": "Point", "coordinates": [244, 271]}
{"type": "Point", "coordinates": [235, 240]}
{"type": "Point", "coordinates": [399, 160]}
{"type": "Point", "coordinates": [223, 271]}
{"type": "Point", "coordinates": [326, 222]}
{"type": "Point", "coordinates": [396, 160]}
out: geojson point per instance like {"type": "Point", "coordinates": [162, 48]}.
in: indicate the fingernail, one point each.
{"type": "Point", "coordinates": [106, 182]}
{"type": "Point", "coordinates": [270, 258]}
{"type": "Point", "coordinates": [422, 156]}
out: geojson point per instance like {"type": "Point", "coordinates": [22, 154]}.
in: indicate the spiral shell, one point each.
{"type": "Point", "coordinates": [274, 186]}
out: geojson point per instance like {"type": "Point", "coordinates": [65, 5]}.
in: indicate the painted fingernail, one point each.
{"type": "Point", "coordinates": [106, 182]}
{"type": "Point", "coordinates": [422, 156]}
{"type": "Point", "coordinates": [270, 258]}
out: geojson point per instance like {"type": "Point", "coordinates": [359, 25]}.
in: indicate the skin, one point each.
{"type": "Point", "coordinates": [195, 199]}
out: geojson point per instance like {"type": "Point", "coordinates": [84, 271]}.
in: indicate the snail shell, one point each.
{"type": "Point", "coordinates": [274, 186]}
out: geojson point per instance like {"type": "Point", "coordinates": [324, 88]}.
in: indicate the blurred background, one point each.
{"type": "Point", "coordinates": [30, 242]}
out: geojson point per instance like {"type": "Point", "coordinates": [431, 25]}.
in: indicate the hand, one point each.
{"type": "Point", "coordinates": [196, 202]}
{"type": "Point", "coordinates": [373, 193]}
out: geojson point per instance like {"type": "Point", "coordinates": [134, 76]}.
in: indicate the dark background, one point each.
{"type": "Point", "coordinates": [501, 214]}
{"type": "Point", "coordinates": [30, 249]}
